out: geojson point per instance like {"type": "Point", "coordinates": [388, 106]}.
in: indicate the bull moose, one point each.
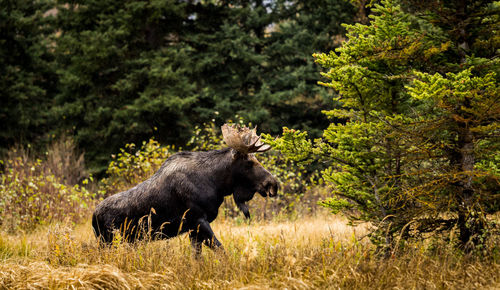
{"type": "Point", "coordinates": [184, 195]}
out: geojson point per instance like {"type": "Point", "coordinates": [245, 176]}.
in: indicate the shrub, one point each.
{"type": "Point", "coordinates": [31, 193]}
{"type": "Point", "coordinates": [131, 166]}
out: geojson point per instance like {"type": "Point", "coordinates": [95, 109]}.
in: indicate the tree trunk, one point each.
{"type": "Point", "coordinates": [471, 222]}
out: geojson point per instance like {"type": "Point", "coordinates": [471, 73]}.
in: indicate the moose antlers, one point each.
{"type": "Point", "coordinates": [243, 139]}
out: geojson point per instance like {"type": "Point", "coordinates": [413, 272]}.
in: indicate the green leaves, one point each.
{"type": "Point", "coordinates": [293, 143]}
{"type": "Point", "coordinates": [126, 68]}
{"type": "Point", "coordinates": [132, 166]}
{"type": "Point", "coordinates": [122, 74]}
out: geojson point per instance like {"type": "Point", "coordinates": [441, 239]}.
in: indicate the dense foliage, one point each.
{"type": "Point", "coordinates": [111, 73]}
{"type": "Point", "coordinates": [417, 151]}
{"type": "Point", "coordinates": [27, 81]}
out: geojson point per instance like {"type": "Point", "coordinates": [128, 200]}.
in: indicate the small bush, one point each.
{"type": "Point", "coordinates": [131, 167]}
{"type": "Point", "coordinates": [31, 193]}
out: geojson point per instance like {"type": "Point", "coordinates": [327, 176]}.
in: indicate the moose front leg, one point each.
{"type": "Point", "coordinates": [203, 234]}
{"type": "Point", "coordinates": [195, 243]}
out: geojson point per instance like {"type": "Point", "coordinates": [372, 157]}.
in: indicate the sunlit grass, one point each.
{"type": "Point", "coordinates": [320, 252]}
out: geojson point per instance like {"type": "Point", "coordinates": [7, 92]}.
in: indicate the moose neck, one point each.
{"type": "Point", "coordinates": [226, 173]}
{"type": "Point", "coordinates": [226, 176]}
{"type": "Point", "coordinates": [219, 162]}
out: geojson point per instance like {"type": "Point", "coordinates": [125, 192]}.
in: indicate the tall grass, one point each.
{"type": "Point", "coordinates": [320, 252]}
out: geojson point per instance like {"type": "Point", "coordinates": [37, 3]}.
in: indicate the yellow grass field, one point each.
{"type": "Point", "coordinates": [311, 253]}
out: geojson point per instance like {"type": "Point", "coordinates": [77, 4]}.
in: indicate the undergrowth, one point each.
{"type": "Point", "coordinates": [36, 191]}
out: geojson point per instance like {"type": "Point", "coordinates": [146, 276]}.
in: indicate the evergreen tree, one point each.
{"type": "Point", "coordinates": [124, 75]}
{"type": "Point", "coordinates": [418, 149]}
{"type": "Point", "coordinates": [303, 28]}
{"type": "Point", "coordinates": [226, 40]}
{"type": "Point", "coordinates": [241, 49]}
{"type": "Point", "coordinates": [27, 80]}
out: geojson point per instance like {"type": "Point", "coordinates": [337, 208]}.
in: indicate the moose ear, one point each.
{"type": "Point", "coordinates": [236, 154]}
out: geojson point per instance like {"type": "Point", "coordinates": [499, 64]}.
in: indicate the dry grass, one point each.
{"type": "Point", "coordinates": [319, 252]}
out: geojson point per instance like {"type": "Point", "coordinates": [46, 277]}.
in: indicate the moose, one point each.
{"type": "Point", "coordinates": [184, 195]}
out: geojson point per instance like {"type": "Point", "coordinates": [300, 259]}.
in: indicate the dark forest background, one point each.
{"type": "Point", "coordinates": [111, 72]}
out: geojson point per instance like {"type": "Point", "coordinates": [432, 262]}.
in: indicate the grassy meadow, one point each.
{"type": "Point", "coordinates": [313, 252]}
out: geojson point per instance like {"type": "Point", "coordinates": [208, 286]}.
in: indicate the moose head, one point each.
{"type": "Point", "coordinates": [248, 175]}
